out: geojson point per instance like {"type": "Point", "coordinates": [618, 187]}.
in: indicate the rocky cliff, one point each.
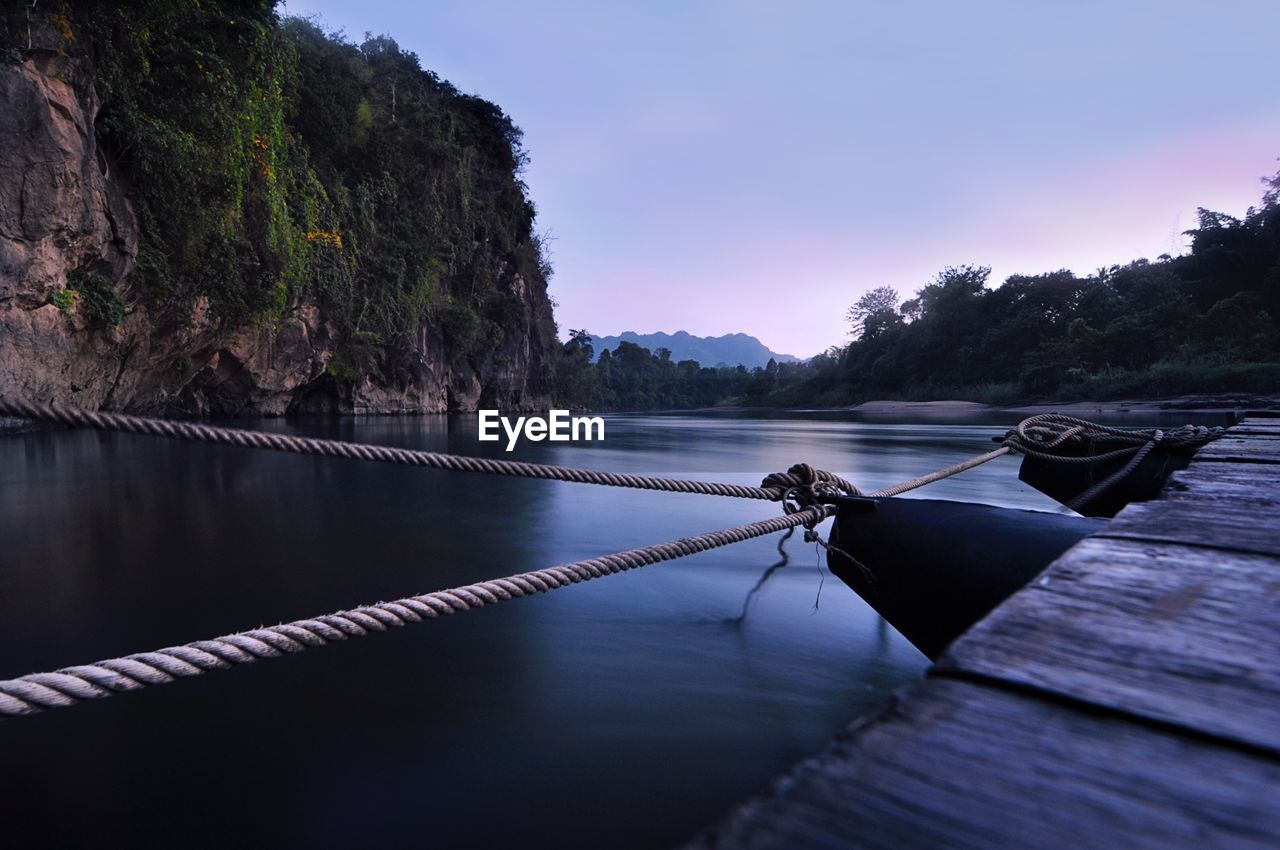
{"type": "Point", "coordinates": [70, 233]}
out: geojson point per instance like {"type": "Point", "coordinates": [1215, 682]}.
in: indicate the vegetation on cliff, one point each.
{"type": "Point", "coordinates": [270, 162]}
{"type": "Point", "coordinates": [1203, 322]}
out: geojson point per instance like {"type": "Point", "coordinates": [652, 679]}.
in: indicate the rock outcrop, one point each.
{"type": "Point", "coordinates": [64, 208]}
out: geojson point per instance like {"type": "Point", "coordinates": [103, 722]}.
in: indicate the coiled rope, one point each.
{"type": "Point", "coordinates": [1058, 438]}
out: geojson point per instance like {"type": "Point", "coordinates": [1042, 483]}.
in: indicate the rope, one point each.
{"type": "Point", "coordinates": [77, 418]}
{"type": "Point", "coordinates": [955, 469]}
{"type": "Point", "coordinates": [1056, 438]}
{"type": "Point", "coordinates": [68, 686]}
{"type": "Point", "coordinates": [72, 685]}
{"type": "Point", "coordinates": [801, 489]}
{"type": "Point", "coordinates": [1049, 436]}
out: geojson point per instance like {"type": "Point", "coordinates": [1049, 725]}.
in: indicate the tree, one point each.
{"type": "Point", "coordinates": [875, 310]}
{"type": "Point", "coordinates": [953, 285]}
{"type": "Point", "coordinates": [576, 379]}
{"type": "Point", "coordinates": [580, 341]}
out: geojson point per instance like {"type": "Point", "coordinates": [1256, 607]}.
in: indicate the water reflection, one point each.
{"type": "Point", "coordinates": [626, 712]}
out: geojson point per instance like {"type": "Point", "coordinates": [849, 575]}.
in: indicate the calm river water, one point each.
{"type": "Point", "coordinates": [626, 712]}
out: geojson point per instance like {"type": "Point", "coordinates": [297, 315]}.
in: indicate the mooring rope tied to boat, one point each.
{"type": "Point", "coordinates": [802, 490]}
{"type": "Point", "coordinates": [1037, 436]}
{"type": "Point", "coordinates": [71, 685]}
{"type": "Point", "coordinates": [947, 472]}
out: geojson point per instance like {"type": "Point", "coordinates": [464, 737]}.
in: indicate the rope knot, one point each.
{"type": "Point", "coordinates": [806, 473]}
{"type": "Point", "coordinates": [803, 487]}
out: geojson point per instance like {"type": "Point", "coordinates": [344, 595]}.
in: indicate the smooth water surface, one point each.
{"type": "Point", "coordinates": [631, 711]}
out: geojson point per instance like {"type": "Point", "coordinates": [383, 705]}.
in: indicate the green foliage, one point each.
{"type": "Point", "coordinates": [64, 300]}
{"type": "Point", "coordinates": [194, 108]}
{"type": "Point", "coordinates": [632, 378]}
{"type": "Point", "coordinates": [97, 299]}
{"type": "Point", "coordinates": [271, 162]}
{"type": "Point", "coordinates": [363, 122]}
{"type": "Point", "coordinates": [1174, 377]}
{"type": "Point", "coordinates": [875, 312]}
{"type": "Point", "coordinates": [423, 184]}
{"type": "Point", "coordinates": [463, 329]}
{"type": "Point", "coordinates": [574, 373]}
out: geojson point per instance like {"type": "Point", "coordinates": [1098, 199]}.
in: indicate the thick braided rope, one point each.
{"type": "Point", "coordinates": [1100, 487]}
{"type": "Point", "coordinates": [1050, 436]}
{"type": "Point", "coordinates": [71, 685]}
{"type": "Point", "coordinates": [38, 691]}
{"type": "Point", "coordinates": [103, 421]}
{"type": "Point", "coordinates": [954, 469]}
{"type": "Point", "coordinates": [1039, 436]}
{"type": "Point", "coordinates": [804, 475]}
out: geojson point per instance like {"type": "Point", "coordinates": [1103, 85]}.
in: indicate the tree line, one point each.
{"type": "Point", "coordinates": [1201, 322]}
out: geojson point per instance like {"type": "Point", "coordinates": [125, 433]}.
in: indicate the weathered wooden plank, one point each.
{"type": "Point", "coordinates": [1230, 506]}
{"type": "Point", "coordinates": [952, 764]}
{"type": "Point", "coordinates": [1263, 423]}
{"type": "Point", "coordinates": [1259, 480]}
{"type": "Point", "coordinates": [1259, 433]}
{"type": "Point", "coordinates": [1265, 427]}
{"type": "Point", "coordinates": [1229, 524]}
{"type": "Point", "coordinates": [1180, 634]}
{"type": "Point", "coordinates": [1241, 449]}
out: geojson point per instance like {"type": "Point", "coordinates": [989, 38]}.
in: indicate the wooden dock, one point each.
{"type": "Point", "coordinates": [1129, 697]}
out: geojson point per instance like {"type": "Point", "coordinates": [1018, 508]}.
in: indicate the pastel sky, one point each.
{"type": "Point", "coordinates": [754, 166]}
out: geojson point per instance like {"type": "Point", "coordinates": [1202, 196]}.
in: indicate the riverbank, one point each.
{"type": "Point", "coordinates": [10, 427]}
{"type": "Point", "coordinates": [1189, 403]}
{"type": "Point", "coordinates": [890, 407]}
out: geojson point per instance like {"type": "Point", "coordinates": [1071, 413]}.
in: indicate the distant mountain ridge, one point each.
{"type": "Point", "coordinates": [729, 350]}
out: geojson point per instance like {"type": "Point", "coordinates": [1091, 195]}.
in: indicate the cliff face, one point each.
{"type": "Point", "coordinates": [67, 210]}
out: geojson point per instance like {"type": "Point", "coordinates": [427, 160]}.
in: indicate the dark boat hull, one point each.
{"type": "Point", "coordinates": [934, 568]}
{"type": "Point", "coordinates": [1064, 482]}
